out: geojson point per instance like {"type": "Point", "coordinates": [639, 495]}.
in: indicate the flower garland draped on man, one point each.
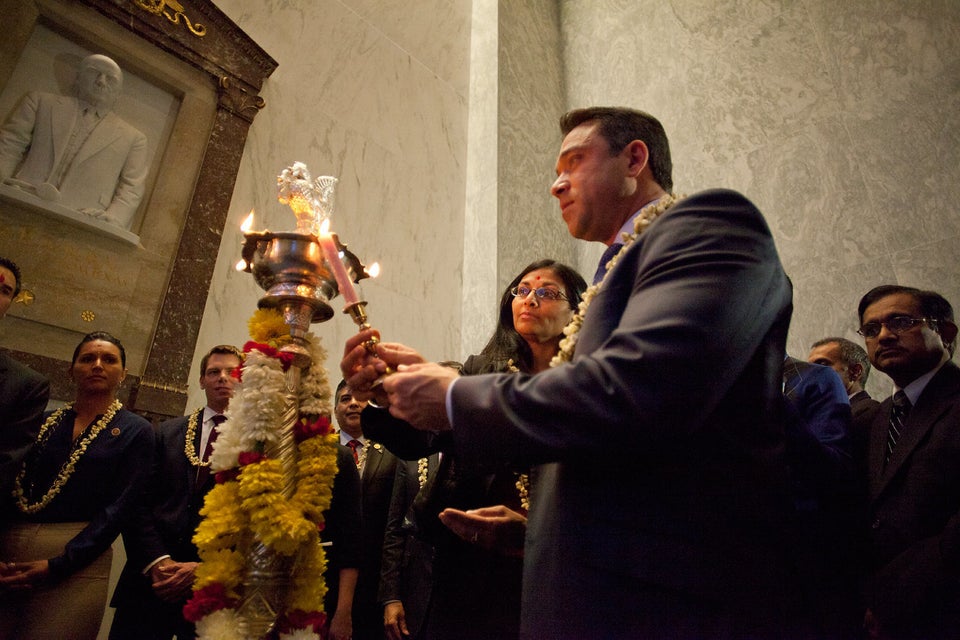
{"type": "Point", "coordinates": [658, 485]}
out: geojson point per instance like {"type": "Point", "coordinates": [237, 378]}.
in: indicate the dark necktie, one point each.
{"type": "Point", "coordinates": [356, 445]}
{"type": "Point", "coordinates": [217, 420]}
{"type": "Point", "coordinates": [203, 472]}
{"type": "Point", "coordinates": [604, 259]}
{"type": "Point", "coordinates": [898, 416]}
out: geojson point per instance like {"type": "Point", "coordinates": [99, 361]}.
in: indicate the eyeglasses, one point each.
{"type": "Point", "coordinates": [896, 324]}
{"type": "Point", "coordinates": [541, 293]}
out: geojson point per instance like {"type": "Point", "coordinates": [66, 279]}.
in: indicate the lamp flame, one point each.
{"type": "Point", "coordinates": [373, 270]}
{"type": "Point", "coordinates": [325, 226]}
{"type": "Point", "coordinates": [241, 265]}
{"type": "Point", "coordinates": [247, 222]}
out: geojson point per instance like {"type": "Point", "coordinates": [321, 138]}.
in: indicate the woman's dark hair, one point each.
{"type": "Point", "coordinates": [106, 337]}
{"type": "Point", "coordinates": [505, 343]}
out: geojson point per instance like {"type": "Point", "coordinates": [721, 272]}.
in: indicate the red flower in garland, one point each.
{"type": "Point", "coordinates": [250, 457]}
{"type": "Point", "coordinates": [212, 597]}
{"type": "Point", "coordinates": [299, 619]}
{"type": "Point", "coordinates": [227, 475]}
{"type": "Point", "coordinates": [305, 430]}
{"type": "Point", "coordinates": [285, 357]}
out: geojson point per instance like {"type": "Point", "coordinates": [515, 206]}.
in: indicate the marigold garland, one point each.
{"type": "Point", "coordinates": [248, 497]}
{"type": "Point", "coordinates": [267, 326]}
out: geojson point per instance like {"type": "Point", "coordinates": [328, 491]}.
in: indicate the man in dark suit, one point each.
{"type": "Point", "coordinates": [914, 466]}
{"type": "Point", "coordinates": [407, 562]}
{"type": "Point", "coordinates": [23, 393]}
{"type": "Point", "coordinates": [659, 486]}
{"type": "Point", "coordinates": [377, 468]}
{"type": "Point", "coordinates": [161, 556]}
{"type": "Point", "coordinates": [850, 361]}
{"type": "Point", "coordinates": [827, 496]}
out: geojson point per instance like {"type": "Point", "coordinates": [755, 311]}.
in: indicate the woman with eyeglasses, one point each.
{"type": "Point", "coordinates": [76, 489]}
{"type": "Point", "coordinates": [475, 519]}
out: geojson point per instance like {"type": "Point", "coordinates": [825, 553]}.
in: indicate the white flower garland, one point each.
{"type": "Point", "coordinates": [643, 220]}
{"type": "Point", "coordinates": [254, 419]}
{"type": "Point", "coordinates": [193, 423]}
{"type": "Point", "coordinates": [257, 405]}
{"type": "Point", "coordinates": [422, 472]}
{"type": "Point", "coordinates": [314, 384]}
{"type": "Point", "coordinates": [68, 467]}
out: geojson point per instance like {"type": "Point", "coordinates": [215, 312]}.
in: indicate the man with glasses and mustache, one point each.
{"type": "Point", "coordinates": [913, 588]}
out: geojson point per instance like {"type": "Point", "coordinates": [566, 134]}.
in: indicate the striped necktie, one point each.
{"type": "Point", "coordinates": [356, 445]}
{"type": "Point", "coordinates": [898, 416]}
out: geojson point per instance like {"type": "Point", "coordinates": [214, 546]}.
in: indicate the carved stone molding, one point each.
{"type": "Point", "coordinates": [197, 33]}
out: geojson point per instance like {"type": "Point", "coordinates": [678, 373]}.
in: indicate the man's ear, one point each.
{"type": "Point", "coordinates": [948, 333]}
{"type": "Point", "coordinates": [855, 372]}
{"type": "Point", "coordinates": [638, 157]}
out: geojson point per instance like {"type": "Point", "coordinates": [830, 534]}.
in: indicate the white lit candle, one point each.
{"type": "Point", "coordinates": [332, 255]}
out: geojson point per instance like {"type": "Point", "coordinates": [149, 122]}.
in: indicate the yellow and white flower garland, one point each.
{"type": "Point", "coordinates": [248, 497]}
{"type": "Point", "coordinates": [68, 467]}
{"type": "Point", "coordinates": [640, 224]}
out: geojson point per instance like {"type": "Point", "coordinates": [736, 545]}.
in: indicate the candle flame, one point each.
{"type": "Point", "coordinates": [247, 222]}
{"type": "Point", "coordinates": [325, 226]}
{"type": "Point", "coordinates": [373, 270]}
{"type": "Point", "coordinates": [241, 265]}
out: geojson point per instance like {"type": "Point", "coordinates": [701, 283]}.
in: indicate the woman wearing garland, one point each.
{"type": "Point", "coordinates": [476, 579]}
{"type": "Point", "coordinates": [77, 487]}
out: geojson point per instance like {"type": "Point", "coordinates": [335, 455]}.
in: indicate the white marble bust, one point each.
{"type": "Point", "coordinates": [73, 150]}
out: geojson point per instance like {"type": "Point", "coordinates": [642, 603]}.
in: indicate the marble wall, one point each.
{"type": "Point", "coordinates": [516, 97]}
{"type": "Point", "coordinates": [374, 92]}
{"type": "Point", "coordinates": [839, 120]}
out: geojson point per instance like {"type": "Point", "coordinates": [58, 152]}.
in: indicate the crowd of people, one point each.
{"type": "Point", "coordinates": [640, 458]}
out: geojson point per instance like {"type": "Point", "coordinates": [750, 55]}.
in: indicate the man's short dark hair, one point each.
{"type": "Point", "coordinates": [932, 305]}
{"type": "Point", "coordinates": [10, 264]}
{"type": "Point", "coordinates": [222, 349]}
{"type": "Point", "coordinates": [850, 353]}
{"type": "Point", "coordinates": [340, 385]}
{"type": "Point", "coordinates": [620, 126]}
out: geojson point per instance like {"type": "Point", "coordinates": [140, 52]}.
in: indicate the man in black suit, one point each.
{"type": "Point", "coordinates": [407, 566]}
{"type": "Point", "coordinates": [377, 468]}
{"type": "Point", "coordinates": [913, 590]}
{"type": "Point", "coordinates": [827, 496]}
{"type": "Point", "coordinates": [850, 361]}
{"type": "Point", "coordinates": [161, 556]}
{"type": "Point", "coordinates": [659, 488]}
{"type": "Point", "coordinates": [23, 393]}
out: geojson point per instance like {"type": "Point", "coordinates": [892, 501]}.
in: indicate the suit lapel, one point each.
{"type": "Point", "coordinates": [372, 464]}
{"type": "Point", "coordinates": [791, 377]}
{"type": "Point", "coordinates": [63, 117]}
{"type": "Point", "coordinates": [103, 134]}
{"type": "Point", "coordinates": [878, 447]}
{"type": "Point", "coordinates": [929, 409]}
